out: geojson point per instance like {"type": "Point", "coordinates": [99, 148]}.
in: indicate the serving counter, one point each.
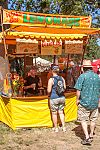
{"type": "Point", "coordinates": [33, 111]}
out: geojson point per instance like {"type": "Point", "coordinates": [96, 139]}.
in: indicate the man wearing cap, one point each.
{"type": "Point", "coordinates": [57, 102]}
{"type": "Point", "coordinates": [88, 93]}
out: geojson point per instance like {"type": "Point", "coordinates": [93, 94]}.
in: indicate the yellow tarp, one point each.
{"type": "Point", "coordinates": [41, 33]}
{"type": "Point", "coordinates": [32, 112]}
{"type": "Point", "coordinates": [53, 30]}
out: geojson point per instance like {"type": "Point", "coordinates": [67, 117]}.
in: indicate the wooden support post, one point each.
{"type": "Point", "coordinates": [54, 59]}
{"type": "Point", "coordinates": [24, 64]}
{"type": "Point", "coordinates": [84, 50]}
{"type": "Point", "coordinates": [35, 60]}
{"type": "Point", "coordinates": [67, 68]}
{"type": "Point", "coordinates": [4, 36]}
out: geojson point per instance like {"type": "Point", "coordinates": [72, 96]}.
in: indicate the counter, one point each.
{"type": "Point", "coordinates": [20, 112]}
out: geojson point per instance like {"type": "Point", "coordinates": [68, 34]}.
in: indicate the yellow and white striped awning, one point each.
{"type": "Point", "coordinates": [32, 35]}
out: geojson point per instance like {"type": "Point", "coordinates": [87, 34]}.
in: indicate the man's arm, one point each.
{"type": "Point", "coordinates": [64, 83]}
{"type": "Point", "coordinates": [78, 97]}
{"type": "Point", "coordinates": [78, 86]}
{"type": "Point", "coordinates": [99, 106]}
{"type": "Point", "coordinates": [50, 83]}
{"type": "Point", "coordinates": [29, 86]}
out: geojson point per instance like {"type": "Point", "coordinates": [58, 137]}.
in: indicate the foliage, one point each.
{"type": "Point", "coordinates": [72, 7]}
{"type": "Point", "coordinates": [93, 9]}
{"type": "Point", "coordinates": [3, 3]}
{"type": "Point", "coordinates": [29, 5]}
{"type": "Point", "coordinates": [92, 49]}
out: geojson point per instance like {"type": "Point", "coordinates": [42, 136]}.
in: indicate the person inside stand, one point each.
{"type": "Point", "coordinates": [32, 83]}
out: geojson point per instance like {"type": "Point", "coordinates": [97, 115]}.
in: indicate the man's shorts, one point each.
{"type": "Point", "coordinates": [86, 115]}
{"type": "Point", "coordinates": [57, 104]}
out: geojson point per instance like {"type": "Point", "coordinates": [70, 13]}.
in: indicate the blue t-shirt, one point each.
{"type": "Point", "coordinates": [54, 94]}
{"type": "Point", "coordinates": [89, 85]}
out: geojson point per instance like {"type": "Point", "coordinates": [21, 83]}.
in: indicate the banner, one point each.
{"type": "Point", "coordinates": [51, 48]}
{"type": "Point", "coordinates": [74, 47]}
{"type": "Point", "coordinates": [25, 47]}
{"type": "Point", "coordinates": [36, 19]}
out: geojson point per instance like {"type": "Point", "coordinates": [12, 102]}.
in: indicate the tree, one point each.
{"type": "Point", "coordinates": [86, 7]}
{"type": "Point", "coordinates": [93, 8]}
{"type": "Point", "coordinates": [4, 3]}
{"type": "Point", "coordinates": [72, 7]}
{"type": "Point", "coordinates": [92, 49]}
{"type": "Point", "coordinates": [29, 5]}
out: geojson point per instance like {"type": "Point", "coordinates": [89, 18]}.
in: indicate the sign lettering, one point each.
{"type": "Point", "coordinates": [51, 48]}
{"type": "Point", "coordinates": [26, 48]}
{"type": "Point", "coordinates": [74, 47]}
{"type": "Point", "coordinates": [26, 18]}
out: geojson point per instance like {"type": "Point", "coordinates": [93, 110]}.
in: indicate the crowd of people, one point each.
{"type": "Point", "coordinates": [88, 99]}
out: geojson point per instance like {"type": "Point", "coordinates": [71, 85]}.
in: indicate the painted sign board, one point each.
{"type": "Point", "coordinates": [51, 48]}
{"type": "Point", "coordinates": [74, 47]}
{"type": "Point", "coordinates": [24, 47]}
{"type": "Point", "coordinates": [39, 19]}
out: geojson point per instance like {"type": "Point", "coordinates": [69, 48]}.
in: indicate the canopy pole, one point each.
{"type": "Point", "coordinates": [4, 39]}
{"type": "Point", "coordinates": [24, 64]}
{"type": "Point", "coordinates": [54, 59]}
{"type": "Point", "coordinates": [35, 59]}
{"type": "Point", "coordinates": [67, 68]}
{"type": "Point", "coordinates": [84, 50]}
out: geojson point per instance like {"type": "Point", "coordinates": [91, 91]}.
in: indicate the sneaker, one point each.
{"type": "Point", "coordinates": [64, 129]}
{"type": "Point", "coordinates": [86, 142]}
{"type": "Point", "coordinates": [55, 129]}
{"type": "Point", "coordinates": [91, 138]}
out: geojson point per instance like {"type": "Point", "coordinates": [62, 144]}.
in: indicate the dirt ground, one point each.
{"type": "Point", "coordinates": [46, 139]}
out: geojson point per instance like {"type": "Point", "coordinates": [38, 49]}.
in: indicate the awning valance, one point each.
{"type": "Point", "coordinates": [32, 35]}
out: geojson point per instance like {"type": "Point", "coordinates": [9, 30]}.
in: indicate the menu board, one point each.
{"type": "Point", "coordinates": [74, 47]}
{"type": "Point", "coordinates": [51, 47]}
{"type": "Point", "coordinates": [26, 47]}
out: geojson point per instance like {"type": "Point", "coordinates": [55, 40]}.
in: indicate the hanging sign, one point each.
{"type": "Point", "coordinates": [25, 47]}
{"type": "Point", "coordinates": [38, 19]}
{"type": "Point", "coordinates": [74, 47]}
{"type": "Point", "coordinates": [51, 47]}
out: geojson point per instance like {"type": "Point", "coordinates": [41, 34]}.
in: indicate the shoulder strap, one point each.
{"type": "Point", "coordinates": [54, 78]}
{"type": "Point", "coordinates": [57, 77]}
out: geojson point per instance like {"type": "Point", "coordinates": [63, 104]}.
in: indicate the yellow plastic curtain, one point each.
{"type": "Point", "coordinates": [33, 112]}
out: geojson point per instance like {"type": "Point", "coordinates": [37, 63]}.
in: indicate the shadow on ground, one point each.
{"type": "Point", "coordinates": [79, 132]}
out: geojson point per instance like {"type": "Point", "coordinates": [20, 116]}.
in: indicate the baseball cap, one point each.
{"type": "Point", "coordinates": [55, 68]}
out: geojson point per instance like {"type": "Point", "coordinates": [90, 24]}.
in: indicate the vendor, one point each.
{"type": "Point", "coordinates": [32, 83]}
